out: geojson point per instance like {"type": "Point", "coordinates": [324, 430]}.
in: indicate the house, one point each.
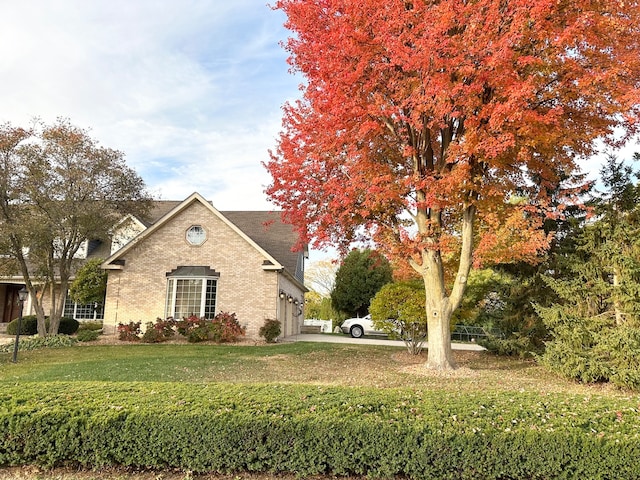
{"type": "Point", "coordinates": [189, 258]}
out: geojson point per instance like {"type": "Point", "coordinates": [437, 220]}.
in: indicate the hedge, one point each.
{"type": "Point", "coordinates": [29, 325]}
{"type": "Point", "coordinates": [311, 430]}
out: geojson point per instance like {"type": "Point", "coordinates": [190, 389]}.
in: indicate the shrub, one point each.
{"type": "Point", "coordinates": [34, 343]}
{"type": "Point", "coordinates": [198, 334]}
{"type": "Point", "coordinates": [311, 430]}
{"type": "Point", "coordinates": [621, 346]}
{"type": "Point", "coordinates": [398, 310]}
{"type": "Point", "coordinates": [592, 349]}
{"type": "Point", "coordinates": [514, 346]}
{"type": "Point", "coordinates": [187, 324]}
{"type": "Point", "coordinates": [29, 326]}
{"type": "Point", "coordinates": [160, 331]}
{"type": "Point", "coordinates": [223, 328]}
{"type": "Point", "coordinates": [92, 325]}
{"type": "Point", "coordinates": [151, 335]}
{"type": "Point", "coordinates": [129, 332]}
{"type": "Point", "coordinates": [87, 335]}
{"type": "Point", "coordinates": [165, 327]}
{"type": "Point", "coordinates": [68, 326]}
{"type": "Point", "coordinates": [270, 330]}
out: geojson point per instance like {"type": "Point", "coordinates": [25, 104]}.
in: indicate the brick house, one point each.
{"type": "Point", "coordinates": [189, 258]}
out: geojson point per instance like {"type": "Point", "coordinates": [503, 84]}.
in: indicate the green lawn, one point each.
{"type": "Point", "coordinates": [354, 365]}
{"type": "Point", "coordinates": [305, 363]}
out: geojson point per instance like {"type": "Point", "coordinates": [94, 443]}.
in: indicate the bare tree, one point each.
{"type": "Point", "coordinates": [320, 276]}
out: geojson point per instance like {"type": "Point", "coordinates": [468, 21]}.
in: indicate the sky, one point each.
{"type": "Point", "coordinates": [191, 91]}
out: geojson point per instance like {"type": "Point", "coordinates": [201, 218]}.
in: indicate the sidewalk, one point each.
{"type": "Point", "coordinates": [331, 338]}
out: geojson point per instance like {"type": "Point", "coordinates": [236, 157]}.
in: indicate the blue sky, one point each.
{"type": "Point", "coordinates": [191, 90]}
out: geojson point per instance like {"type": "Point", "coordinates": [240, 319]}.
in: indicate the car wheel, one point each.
{"type": "Point", "coordinates": [357, 331]}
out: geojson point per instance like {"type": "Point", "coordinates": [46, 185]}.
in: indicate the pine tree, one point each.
{"type": "Point", "coordinates": [596, 322]}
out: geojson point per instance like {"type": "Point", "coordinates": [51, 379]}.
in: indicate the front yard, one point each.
{"type": "Point", "coordinates": [334, 375]}
{"type": "Point", "coordinates": [299, 363]}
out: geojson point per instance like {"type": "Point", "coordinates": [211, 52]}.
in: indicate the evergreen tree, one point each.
{"type": "Point", "coordinates": [507, 306]}
{"type": "Point", "coordinates": [360, 276]}
{"type": "Point", "coordinates": [595, 322]}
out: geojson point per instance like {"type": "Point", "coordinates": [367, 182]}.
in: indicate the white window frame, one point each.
{"type": "Point", "coordinates": [95, 307]}
{"type": "Point", "coordinates": [172, 286]}
{"type": "Point", "coordinates": [195, 235]}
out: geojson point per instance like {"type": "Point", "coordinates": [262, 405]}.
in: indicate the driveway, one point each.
{"type": "Point", "coordinates": [332, 338]}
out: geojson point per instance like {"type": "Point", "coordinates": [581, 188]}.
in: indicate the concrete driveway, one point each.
{"type": "Point", "coordinates": [332, 338]}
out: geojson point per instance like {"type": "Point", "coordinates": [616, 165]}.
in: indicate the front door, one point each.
{"type": "Point", "coordinates": [11, 308]}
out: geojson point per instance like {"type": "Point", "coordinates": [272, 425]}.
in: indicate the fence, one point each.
{"type": "Point", "coordinates": [469, 333]}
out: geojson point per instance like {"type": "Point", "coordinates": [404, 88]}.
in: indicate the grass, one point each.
{"type": "Point", "coordinates": [306, 363]}
{"type": "Point", "coordinates": [289, 363]}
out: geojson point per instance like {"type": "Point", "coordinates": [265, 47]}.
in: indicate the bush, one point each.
{"type": "Point", "coordinates": [198, 334]}
{"type": "Point", "coordinates": [311, 430]}
{"type": "Point", "coordinates": [151, 335]}
{"type": "Point", "coordinates": [514, 346]}
{"type": "Point", "coordinates": [271, 330]}
{"type": "Point", "coordinates": [223, 328]}
{"type": "Point", "coordinates": [165, 327]}
{"type": "Point", "coordinates": [398, 309]}
{"type": "Point", "coordinates": [187, 324]}
{"type": "Point", "coordinates": [87, 335]}
{"type": "Point", "coordinates": [592, 349]}
{"type": "Point", "coordinates": [160, 331]}
{"type": "Point", "coordinates": [34, 343]}
{"type": "Point", "coordinates": [68, 326]}
{"type": "Point", "coordinates": [129, 332]}
{"type": "Point", "coordinates": [93, 325]}
{"type": "Point", "coordinates": [29, 326]}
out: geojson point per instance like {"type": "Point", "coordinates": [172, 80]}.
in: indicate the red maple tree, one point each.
{"type": "Point", "coordinates": [439, 128]}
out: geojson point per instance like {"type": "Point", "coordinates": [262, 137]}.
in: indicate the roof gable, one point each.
{"type": "Point", "coordinates": [263, 230]}
{"type": "Point", "coordinates": [269, 231]}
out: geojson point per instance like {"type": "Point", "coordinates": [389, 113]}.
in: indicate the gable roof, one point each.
{"type": "Point", "coordinates": [269, 231]}
{"type": "Point", "coordinates": [264, 230]}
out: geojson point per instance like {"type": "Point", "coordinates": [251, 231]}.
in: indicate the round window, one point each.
{"type": "Point", "coordinates": [196, 235]}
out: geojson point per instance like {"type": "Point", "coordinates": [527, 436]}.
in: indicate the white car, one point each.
{"type": "Point", "coordinates": [358, 327]}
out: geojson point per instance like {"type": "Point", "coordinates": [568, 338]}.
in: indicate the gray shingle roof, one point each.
{"type": "Point", "coordinates": [263, 227]}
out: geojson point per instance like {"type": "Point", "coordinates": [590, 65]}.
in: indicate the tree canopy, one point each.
{"type": "Point", "coordinates": [58, 189]}
{"type": "Point", "coordinates": [320, 276]}
{"type": "Point", "coordinates": [439, 128]}
{"type": "Point", "coordinates": [90, 283]}
{"type": "Point", "coordinates": [360, 275]}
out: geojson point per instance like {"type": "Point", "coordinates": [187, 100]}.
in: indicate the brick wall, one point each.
{"type": "Point", "coordinates": [138, 291]}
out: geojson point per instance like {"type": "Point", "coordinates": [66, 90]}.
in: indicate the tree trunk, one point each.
{"type": "Point", "coordinates": [54, 316]}
{"type": "Point", "coordinates": [440, 353]}
{"type": "Point", "coordinates": [616, 303]}
{"type": "Point", "coordinates": [440, 306]}
{"type": "Point", "coordinates": [37, 305]}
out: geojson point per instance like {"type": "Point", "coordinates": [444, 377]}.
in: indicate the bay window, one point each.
{"type": "Point", "coordinates": [191, 291]}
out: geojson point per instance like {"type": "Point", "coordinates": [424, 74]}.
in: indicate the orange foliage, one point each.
{"type": "Point", "coordinates": [416, 112]}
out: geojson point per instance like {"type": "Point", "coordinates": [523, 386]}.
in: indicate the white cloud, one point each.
{"type": "Point", "coordinates": [191, 91]}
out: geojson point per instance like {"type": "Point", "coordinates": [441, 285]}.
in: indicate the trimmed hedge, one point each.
{"type": "Point", "coordinates": [320, 430]}
{"type": "Point", "coordinates": [29, 325]}
{"type": "Point", "coordinates": [90, 325]}
{"type": "Point", "coordinates": [87, 335]}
